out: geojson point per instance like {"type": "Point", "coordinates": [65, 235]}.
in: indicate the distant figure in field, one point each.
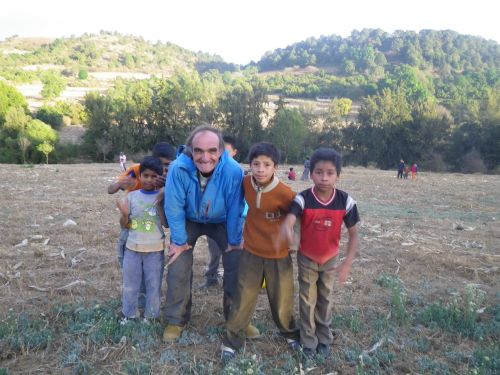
{"type": "Point", "coordinates": [406, 172]}
{"type": "Point", "coordinates": [123, 162]}
{"type": "Point", "coordinates": [401, 168]}
{"type": "Point", "coordinates": [414, 169]}
{"type": "Point", "coordinates": [305, 174]}
{"type": "Point", "coordinates": [291, 175]}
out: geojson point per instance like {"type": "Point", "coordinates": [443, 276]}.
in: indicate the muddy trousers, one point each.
{"type": "Point", "coordinates": [180, 273]}
{"type": "Point", "coordinates": [279, 286]}
{"type": "Point", "coordinates": [315, 302]}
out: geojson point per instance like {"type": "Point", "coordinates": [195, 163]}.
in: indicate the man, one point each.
{"type": "Point", "coordinates": [203, 196]}
{"type": "Point", "coordinates": [212, 274]}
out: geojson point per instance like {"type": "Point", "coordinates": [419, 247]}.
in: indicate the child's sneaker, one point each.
{"type": "Point", "coordinates": [293, 344]}
{"type": "Point", "coordinates": [323, 350]}
{"type": "Point", "coordinates": [227, 354]}
{"type": "Point", "coordinates": [309, 353]}
{"type": "Point", "coordinates": [126, 320]}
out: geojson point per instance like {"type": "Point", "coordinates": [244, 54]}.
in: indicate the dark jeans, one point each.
{"type": "Point", "coordinates": [120, 250]}
{"type": "Point", "coordinates": [400, 174]}
{"type": "Point", "coordinates": [213, 266]}
{"type": "Point", "coordinates": [279, 287]}
{"type": "Point", "coordinates": [180, 273]}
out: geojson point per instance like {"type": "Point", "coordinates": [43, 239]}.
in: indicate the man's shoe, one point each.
{"type": "Point", "coordinates": [126, 320]}
{"type": "Point", "coordinates": [251, 332]}
{"type": "Point", "coordinates": [323, 350]}
{"type": "Point", "coordinates": [172, 333]}
{"type": "Point", "coordinates": [227, 354]}
{"type": "Point", "coordinates": [210, 283]}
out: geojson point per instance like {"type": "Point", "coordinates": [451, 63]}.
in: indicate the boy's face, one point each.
{"type": "Point", "coordinates": [166, 163]}
{"type": "Point", "coordinates": [324, 176]}
{"type": "Point", "coordinates": [230, 149]}
{"type": "Point", "coordinates": [263, 169]}
{"type": "Point", "coordinates": [148, 179]}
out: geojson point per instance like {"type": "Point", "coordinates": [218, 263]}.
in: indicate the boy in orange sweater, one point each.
{"type": "Point", "coordinates": [263, 257]}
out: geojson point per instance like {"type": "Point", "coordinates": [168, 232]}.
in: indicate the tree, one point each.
{"type": "Point", "coordinates": [45, 148]}
{"type": "Point", "coordinates": [10, 97]}
{"type": "Point", "coordinates": [24, 143]}
{"type": "Point", "coordinates": [104, 147]}
{"type": "Point", "coordinates": [287, 132]}
{"type": "Point", "coordinates": [53, 85]}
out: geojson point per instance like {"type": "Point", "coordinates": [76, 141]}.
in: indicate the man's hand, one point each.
{"type": "Point", "coordinates": [234, 247]}
{"type": "Point", "coordinates": [175, 250]}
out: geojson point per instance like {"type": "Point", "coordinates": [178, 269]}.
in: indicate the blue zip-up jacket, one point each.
{"type": "Point", "coordinates": [222, 200]}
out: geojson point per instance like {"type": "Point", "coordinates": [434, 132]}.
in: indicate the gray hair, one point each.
{"type": "Point", "coordinates": [201, 129]}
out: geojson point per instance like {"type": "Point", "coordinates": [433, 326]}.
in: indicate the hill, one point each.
{"type": "Point", "coordinates": [21, 58]}
{"type": "Point", "coordinates": [359, 64]}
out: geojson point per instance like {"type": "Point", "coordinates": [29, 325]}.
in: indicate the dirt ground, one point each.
{"type": "Point", "coordinates": [438, 235]}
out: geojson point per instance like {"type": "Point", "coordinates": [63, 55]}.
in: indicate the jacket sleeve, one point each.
{"type": "Point", "coordinates": [235, 205]}
{"type": "Point", "coordinates": [174, 205]}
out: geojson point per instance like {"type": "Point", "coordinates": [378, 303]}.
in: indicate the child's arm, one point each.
{"type": "Point", "coordinates": [122, 184]}
{"type": "Point", "coordinates": [159, 208]}
{"type": "Point", "coordinates": [352, 247]}
{"type": "Point", "coordinates": [122, 205]}
{"type": "Point", "coordinates": [286, 231]}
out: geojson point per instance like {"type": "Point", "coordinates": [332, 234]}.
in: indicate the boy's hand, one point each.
{"type": "Point", "coordinates": [342, 271]}
{"type": "Point", "coordinates": [175, 250]}
{"type": "Point", "coordinates": [126, 182]}
{"type": "Point", "coordinates": [234, 247]}
{"type": "Point", "coordinates": [160, 181]}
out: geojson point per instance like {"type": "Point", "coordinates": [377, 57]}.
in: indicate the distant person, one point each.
{"type": "Point", "coordinates": [291, 174]}
{"type": "Point", "coordinates": [268, 202]}
{"type": "Point", "coordinates": [123, 162]}
{"type": "Point", "coordinates": [414, 170]}
{"type": "Point", "coordinates": [203, 196]}
{"type": "Point", "coordinates": [322, 210]}
{"type": "Point", "coordinates": [406, 172]}
{"type": "Point", "coordinates": [130, 181]}
{"type": "Point", "coordinates": [305, 174]}
{"type": "Point", "coordinates": [401, 168]}
{"type": "Point", "coordinates": [143, 259]}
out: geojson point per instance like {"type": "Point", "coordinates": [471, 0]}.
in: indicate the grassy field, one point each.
{"type": "Point", "coordinates": [422, 298]}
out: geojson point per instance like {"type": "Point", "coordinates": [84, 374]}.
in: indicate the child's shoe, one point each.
{"type": "Point", "coordinates": [227, 354]}
{"type": "Point", "coordinates": [323, 350]}
{"type": "Point", "coordinates": [126, 320]}
{"type": "Point", "coordinates": [293, 344]}
{"type": "Point", "coordinates": [309, 353]}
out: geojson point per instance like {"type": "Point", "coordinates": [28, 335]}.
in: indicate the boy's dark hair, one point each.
{"type": "Point", "coordinates": [152, 163]}
{"type": "Point", "coordinates": [164, 150]}
{"type": "Point", "coordinates": [291, 168]}
{"type": "Point", "coordinates": [230, 140]}
{"type": "Point", "coordinates": [266, 149]}
{"type": "Point", "coordinates": [326, 154]}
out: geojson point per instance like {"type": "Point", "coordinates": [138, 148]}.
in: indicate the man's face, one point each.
{"type": "Point", "coordinates": [206, 151]}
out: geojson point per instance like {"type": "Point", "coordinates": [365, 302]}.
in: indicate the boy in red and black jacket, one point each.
{"type": "Point", "coordinates": [322, 210]}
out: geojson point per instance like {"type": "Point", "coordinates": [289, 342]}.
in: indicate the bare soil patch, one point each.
{"type": "Point", "coordinates": [432, 239]}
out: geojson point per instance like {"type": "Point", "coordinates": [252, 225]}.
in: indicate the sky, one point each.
{"type": "Point", "coordinates": [243, 30]}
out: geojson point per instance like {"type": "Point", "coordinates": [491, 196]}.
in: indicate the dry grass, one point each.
{"type": "Point", "coordinates": [433, 239]}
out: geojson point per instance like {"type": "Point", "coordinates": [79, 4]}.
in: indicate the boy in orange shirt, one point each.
{"type": "Point", "coordinates": [268, 203]}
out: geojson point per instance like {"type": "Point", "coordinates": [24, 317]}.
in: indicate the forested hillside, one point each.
{"type": "Point", "coordinates": [430, 97]}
